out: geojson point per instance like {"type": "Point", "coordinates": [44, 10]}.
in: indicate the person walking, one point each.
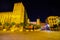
{"type": "Point", "coordinates": [47, 27]}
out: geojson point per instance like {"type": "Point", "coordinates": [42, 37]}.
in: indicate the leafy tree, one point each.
{"type": "Point", "coordinates": [13, 23]}
{"type": "Point", "coordinates": [6, 25]}
{"type": "Point", "coordinates": [22, 24]}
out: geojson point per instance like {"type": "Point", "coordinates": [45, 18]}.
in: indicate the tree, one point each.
{"type": "Point", "coordinates": [1, 26]}
{"type": "Point", "coordinates": [6, 25]}
{"type": "Point", "coordinates": [22, 24]}
{"type": "Point", "coordinates": [25, 18]}
{"type": "Point", "coordinates": [36, 26]}
{"type": "Point", "coordinates": [13, 23]}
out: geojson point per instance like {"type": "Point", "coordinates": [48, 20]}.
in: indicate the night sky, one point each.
{"type": "Point", "coordinates": [35, 8]}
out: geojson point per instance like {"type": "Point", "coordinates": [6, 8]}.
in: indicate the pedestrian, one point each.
{"type": "Point", "coordinates": [47, 27]}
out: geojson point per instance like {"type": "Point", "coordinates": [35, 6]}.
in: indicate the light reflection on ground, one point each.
{"type": "Point", "coordinates": [42, 35]}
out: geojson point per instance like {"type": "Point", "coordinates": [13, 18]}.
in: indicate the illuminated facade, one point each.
{"type": "Point", "coordinates": [52, 20]}
{"type": "Point", "coordinates": [16, 16]}
{"type": "Point", "coordinates": [34, 22]}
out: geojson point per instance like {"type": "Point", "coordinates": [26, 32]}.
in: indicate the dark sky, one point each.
{"type": "Point", "coordinates": [35, 8]}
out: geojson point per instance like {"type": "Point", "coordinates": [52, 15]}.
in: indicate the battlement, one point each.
{"type": "Point", "coordinates": [18, 8]}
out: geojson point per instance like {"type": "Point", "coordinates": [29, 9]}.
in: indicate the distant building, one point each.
{"type": "Point", "coordinates": [37, 22]}
{"type": "Point", "coordinates": [52, 20]}
{"type": "Point", "coordinates": [33, 22]}
{"type": "Point", "coordinates": [28, 21]}
{"type": "Point", "coordinates": [16, 16]}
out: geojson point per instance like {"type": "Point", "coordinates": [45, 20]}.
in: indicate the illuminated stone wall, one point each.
{"type": "Point", "coordinates": [16, 16]}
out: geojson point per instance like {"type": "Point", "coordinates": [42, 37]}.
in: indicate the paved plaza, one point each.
{"type": "Point", "coordinates": [41, 35]}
